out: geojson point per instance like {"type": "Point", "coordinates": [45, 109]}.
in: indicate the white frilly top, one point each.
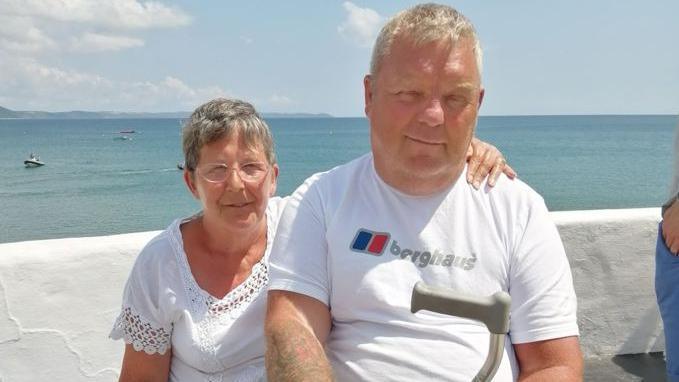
{"type": "Point", "coordinates": [211, 339]}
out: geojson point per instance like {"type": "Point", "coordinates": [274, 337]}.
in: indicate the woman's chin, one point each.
{"type": "Point", "coordinates": [241, 220]}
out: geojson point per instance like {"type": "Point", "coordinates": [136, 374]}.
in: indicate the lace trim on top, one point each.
{"type": "Point", "coordinates": [140, 333]}
{"type": "Point", "coordinates": [235, 302]}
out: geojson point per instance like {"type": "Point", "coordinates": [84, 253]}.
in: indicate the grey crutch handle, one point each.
{"type": "Point", "coordinates": [493, 311]}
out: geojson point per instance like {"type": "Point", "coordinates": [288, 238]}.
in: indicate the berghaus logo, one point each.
{"type": "Point", "coordinates": [370, 242]}
{"type": "Point", "coordinates": [375, 243]}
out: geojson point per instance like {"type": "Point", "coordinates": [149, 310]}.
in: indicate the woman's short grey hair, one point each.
{"type": "Point", "coordinates": [220, 118]}
{"type": "Point", "coordinates": [422, 24]}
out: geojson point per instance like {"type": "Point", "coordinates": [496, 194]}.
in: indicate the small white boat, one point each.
{"type": "Point", "coordinates": [33, 161]}
{"type": "Point", "coordinates": [122, 138]}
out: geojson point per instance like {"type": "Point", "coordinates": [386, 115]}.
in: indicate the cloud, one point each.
{"type": "Point", "coordinates": [117, 14]}
{"type": "Point", "coordinates": [95, 42]}
{"type": "Point", "coordinates": [18, 34]}
{"type": "Point", "coordinates": [361, 25]}
{"type": "Point", "coordinates": [246, 40]}
{"type": "Point", "coordinates": [32, 27]}
{"type": "Point", "coordinates": [35, 86]}
{"type": "Point", "coordinates": [36, 32]}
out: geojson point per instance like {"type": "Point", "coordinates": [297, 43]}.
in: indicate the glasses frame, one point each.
{"type": "Point", "coordinates": [245, 178]}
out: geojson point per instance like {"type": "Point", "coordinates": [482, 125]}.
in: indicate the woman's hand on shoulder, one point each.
{"type": "Point", "coordinates": [485, 160]}
{"type": "Point", "coordinates": [139, 366]}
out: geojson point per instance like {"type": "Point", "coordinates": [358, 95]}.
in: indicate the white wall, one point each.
{"type": "Point", "coordinates": [612, 256]}
{"type": "Point", "coordinates": [59, 298]}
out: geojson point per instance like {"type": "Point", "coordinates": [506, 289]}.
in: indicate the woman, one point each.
{"type": "Point", "coordinates": [194, 303]}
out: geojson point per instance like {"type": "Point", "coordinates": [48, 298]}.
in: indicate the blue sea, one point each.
{"type": "Point", "coordinates": [94, 184]}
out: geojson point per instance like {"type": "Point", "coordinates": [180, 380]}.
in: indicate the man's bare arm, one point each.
{"type": "Point", "coordinates": [554, 360]}
{"type": "Point", "coordinates": [296, 328]}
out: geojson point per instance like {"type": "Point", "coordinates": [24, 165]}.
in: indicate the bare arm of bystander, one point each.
{"type": "Point", "coordinates": [670, 227]}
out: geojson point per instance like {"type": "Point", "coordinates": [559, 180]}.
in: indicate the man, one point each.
{"type": "Point", "coordinates": [667, 273]}
{"type": "Point", "coordinates": [353, 241]}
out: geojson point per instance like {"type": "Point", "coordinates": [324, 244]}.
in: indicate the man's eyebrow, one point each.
{"type": "Point", "coordinates": [465, 86]}
{"type": "Point", "coordinates": [409, 81]}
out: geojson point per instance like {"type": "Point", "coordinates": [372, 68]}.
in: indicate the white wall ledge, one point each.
{"type": "Point", "coordinates": [59, 298]}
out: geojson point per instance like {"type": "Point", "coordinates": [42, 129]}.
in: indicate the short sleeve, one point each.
{"type": "Point", "coordinates": [298, 260]}
{"type": "Point", "coordinates": [541, 286]}
{"type": "Point", "coordinates": [143, 321]}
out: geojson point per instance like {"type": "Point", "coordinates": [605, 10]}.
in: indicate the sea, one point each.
{"type": "Point", "coordinates": [95, 183]}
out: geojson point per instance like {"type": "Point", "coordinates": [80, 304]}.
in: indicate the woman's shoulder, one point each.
{"type": "Point", "coordinates": [162, 249]}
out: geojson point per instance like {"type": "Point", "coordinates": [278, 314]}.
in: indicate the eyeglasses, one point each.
{"type": "Point", "coordinates": [250, 172]}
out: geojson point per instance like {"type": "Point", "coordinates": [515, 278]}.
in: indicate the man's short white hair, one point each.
{"type": "Point", "coordinates": [422, 24]}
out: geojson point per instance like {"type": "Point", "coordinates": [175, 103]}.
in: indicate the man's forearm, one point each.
{"type": "Point", "coordinates": [293, 353]}
{"type": "Point", "coordinates": [553, 374]}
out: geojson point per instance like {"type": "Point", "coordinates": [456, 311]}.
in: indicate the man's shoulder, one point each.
{"type": "Point", "coordinates": [508, 194]}
{"type": "Point", "coordinates": [515, 187]}
{"type": "Point", "coordinates": [333, 179]}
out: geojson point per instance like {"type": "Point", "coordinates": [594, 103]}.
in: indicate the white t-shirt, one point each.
{"type": "Point", "coordinates": [358, 245]}
{"type": "Point", "coordinates": [211, 339]}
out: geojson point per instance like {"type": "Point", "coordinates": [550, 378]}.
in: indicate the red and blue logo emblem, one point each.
{"type": "Point", "coordinates": [370, 242]}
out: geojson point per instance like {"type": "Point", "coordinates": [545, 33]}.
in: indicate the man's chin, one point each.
{"type": "Point", "coordinates": [431, 165]}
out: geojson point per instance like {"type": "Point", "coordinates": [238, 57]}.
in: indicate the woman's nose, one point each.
{"type": "Point", "coordinates": [233, 181]}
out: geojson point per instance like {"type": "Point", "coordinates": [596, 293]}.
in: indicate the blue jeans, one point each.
{"type": "Point", "coordinates": [667, 293]}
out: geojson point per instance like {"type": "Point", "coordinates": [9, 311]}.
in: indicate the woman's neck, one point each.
{"type": "Point", "coordinates": [219, 240]}
{"type": "Point", "coordinates": [222, 259]}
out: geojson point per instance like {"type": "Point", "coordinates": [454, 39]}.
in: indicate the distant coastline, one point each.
{"type": "Point", "coordinates": [76, 114]}
{"type": "Point", "coordinates": [14, 114]}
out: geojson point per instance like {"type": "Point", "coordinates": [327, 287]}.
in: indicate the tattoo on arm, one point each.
{"type": "Point", "coordinates": [295, 354]}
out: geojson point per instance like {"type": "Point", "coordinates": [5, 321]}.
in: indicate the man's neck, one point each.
{"type": "Point", "coordinates": [417, 184]}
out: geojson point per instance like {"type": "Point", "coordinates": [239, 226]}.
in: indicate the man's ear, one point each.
{"type": "Point", "coordinates": [190, 183]}
{"type": "Point", "coordinates": [481, 94]}
{"type": "Point", "coordinates": [367, 92]}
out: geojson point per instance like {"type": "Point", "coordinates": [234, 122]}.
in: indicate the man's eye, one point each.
{"type": "Point", "coordinates": [457, 101]}
{"type": "Point", "coordinates": [408, 95]}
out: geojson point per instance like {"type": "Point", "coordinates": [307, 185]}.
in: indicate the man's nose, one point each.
{"type": "Point", "coordinates": [432, 114]}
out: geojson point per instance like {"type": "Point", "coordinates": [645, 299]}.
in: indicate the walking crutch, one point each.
{"type": "Point", "coordinates": [493, 311]}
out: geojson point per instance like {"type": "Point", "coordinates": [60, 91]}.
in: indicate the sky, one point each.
{"type": "Point", "coordinates": [310, 56]}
